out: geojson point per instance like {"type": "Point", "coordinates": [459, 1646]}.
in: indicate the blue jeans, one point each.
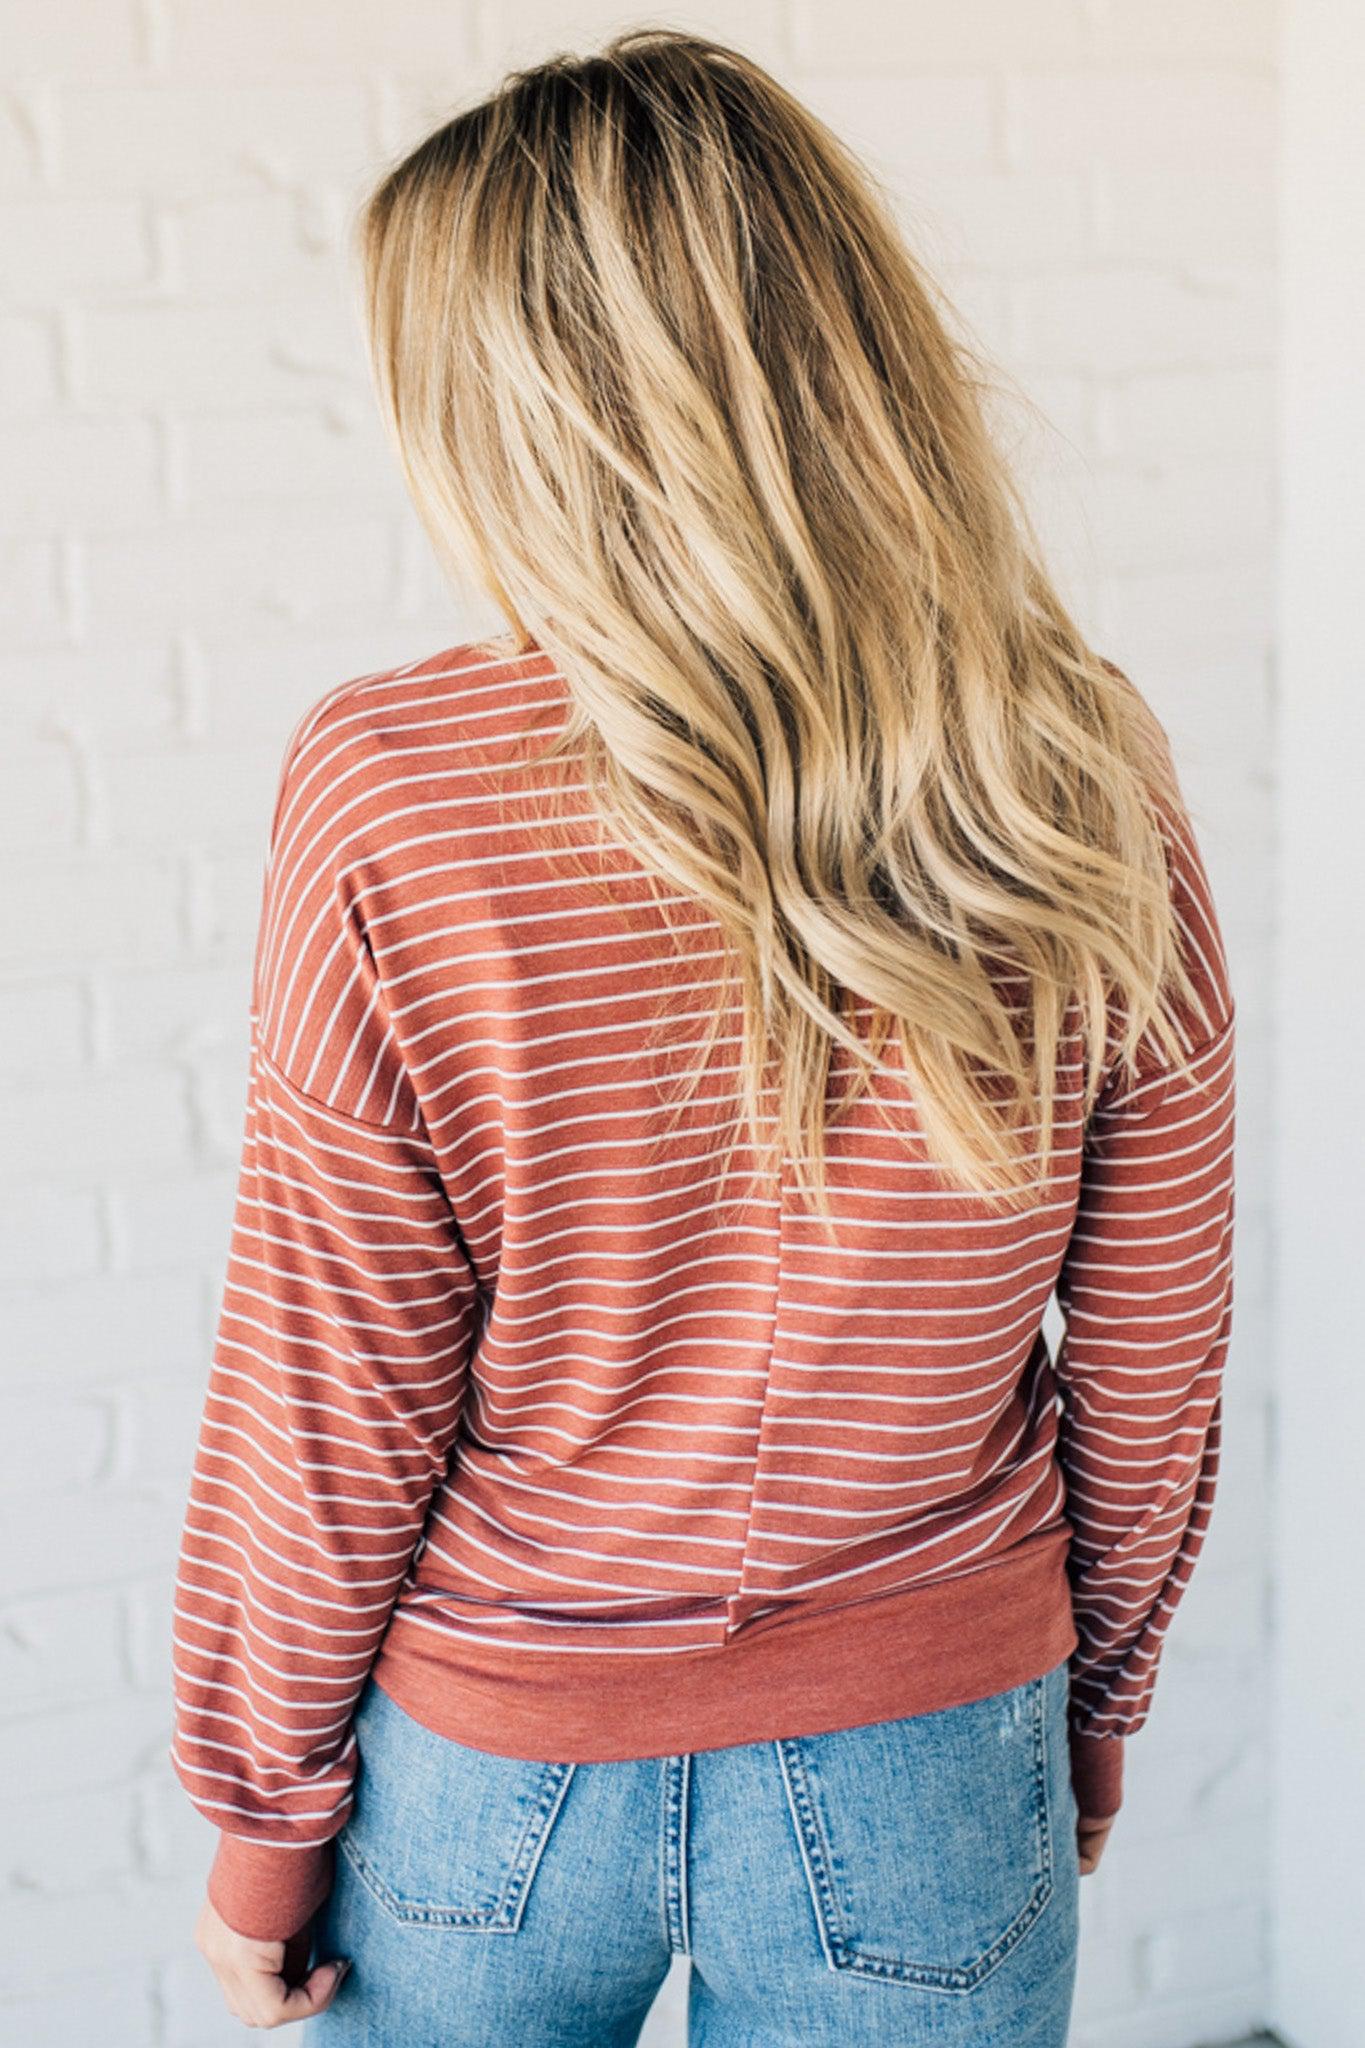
{"type": "Point", "coordinates": [909, 1881]}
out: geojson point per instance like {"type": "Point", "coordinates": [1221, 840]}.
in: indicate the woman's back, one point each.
{"type": "Point", "coordinates": [679, 1441]}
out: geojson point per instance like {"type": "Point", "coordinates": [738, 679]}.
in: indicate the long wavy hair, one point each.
{"type": "Point", "coordinates": [662, 374]}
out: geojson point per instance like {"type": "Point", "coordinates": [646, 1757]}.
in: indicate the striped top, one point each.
{"type": "Point", "coordinates": [583, 1454]}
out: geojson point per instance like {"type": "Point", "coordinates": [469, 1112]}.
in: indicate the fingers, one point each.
{"type": "Point", "coordinates": [259, 2000]}
{"type": "Point", "coordinates": [1091, 1836]}
{"type": "Point", "coordinates": [255, 1976]}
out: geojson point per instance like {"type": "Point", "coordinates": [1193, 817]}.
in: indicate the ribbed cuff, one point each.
{"type": "Point", "coordinates": [266, 1890]}
{"type": "Point", "coordinates": [1097, 1774]}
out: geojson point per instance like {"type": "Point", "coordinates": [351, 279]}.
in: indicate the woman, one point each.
{"type": "Point", "coordinates": [636, 1510]}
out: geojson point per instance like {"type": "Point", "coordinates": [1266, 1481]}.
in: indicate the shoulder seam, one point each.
{"type": "Point", "coordinates": [1168, 1072]}
{"type": "Point", "coordinates": [343, 1116]}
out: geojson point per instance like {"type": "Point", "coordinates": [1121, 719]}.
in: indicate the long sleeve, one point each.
{"type": "Point", "coordinates": [335, 1389]}
{"type": "Point", "coordinates": [1146, 1296]}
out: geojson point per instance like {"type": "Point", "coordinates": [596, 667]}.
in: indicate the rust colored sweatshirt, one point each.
{"type": "Point", "coordinates": [584, 1455]}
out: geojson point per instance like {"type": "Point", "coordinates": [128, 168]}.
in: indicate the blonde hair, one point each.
{"type": "Point", "coordinates": [659, 367]}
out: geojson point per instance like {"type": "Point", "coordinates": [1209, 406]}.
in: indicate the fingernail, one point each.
{"type": "Point", "coordinates": [342, 1967]}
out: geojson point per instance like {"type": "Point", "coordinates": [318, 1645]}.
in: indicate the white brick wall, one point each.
{"type": "Point", "coordinates": [200, 532]}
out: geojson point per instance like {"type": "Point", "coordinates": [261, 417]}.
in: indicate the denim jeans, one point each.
{"type": "Point", "coordinates": [908, 1881]}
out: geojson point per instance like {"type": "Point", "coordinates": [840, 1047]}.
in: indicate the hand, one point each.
{"type": "Point", "coordinates": [1091, 1836]}
{"type": "Point", "coordinates": [257, 1977]}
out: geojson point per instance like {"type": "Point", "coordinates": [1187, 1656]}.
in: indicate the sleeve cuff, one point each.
{"type": "Point", "coordinates": [1097, 1774]}
{"type": "Point", "coordinates": [266, 1890]}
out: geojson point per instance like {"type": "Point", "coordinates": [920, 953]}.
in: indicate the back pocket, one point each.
{"type": "Point", "coordinates": [443, 1835]}
{"type": "Point", "coordinates": [927, 1841]}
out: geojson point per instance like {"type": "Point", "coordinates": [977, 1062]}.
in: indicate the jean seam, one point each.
{"type": "Point", "coordinates": [797, 1789]}
{"type": "Point", "coordinates": [677, 1782]}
